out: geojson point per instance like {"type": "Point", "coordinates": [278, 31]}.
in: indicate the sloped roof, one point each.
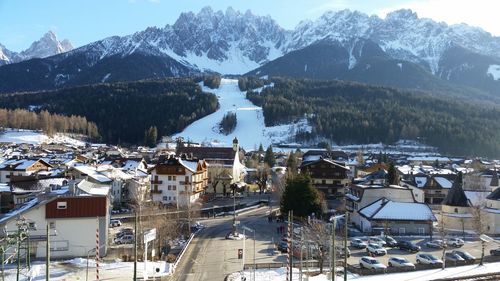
{"type": "Point", "coordinates": [456, 196]}
{"type": "Point", "coordinates": [385, 209]}
{"type": "Point", "coordinates": [212, 153]}
{"type": "Point", "coordinates": [495, 195]}
{"type": "Point", "coordinates": [494, 178]}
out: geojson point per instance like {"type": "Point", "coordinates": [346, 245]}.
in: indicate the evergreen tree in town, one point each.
{"type": "Point", "coordinates": [150, 136]}
{"type": "Point", "coordinates": [291, 162]}
{"type": "Point", "coordinates": [269, 157]}
{"type": "Point", "coordinates": [301, 197]}
{"type": "Point", "coordinates": [392, 175]}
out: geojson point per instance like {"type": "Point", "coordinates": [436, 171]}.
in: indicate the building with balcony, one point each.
{"type": "Point", "coordinates": [178, 181]}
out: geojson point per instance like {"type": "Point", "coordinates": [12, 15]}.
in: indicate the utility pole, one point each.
{"type": "Point", "coordinates": [346, 217]}
{"type": "Point", "coordinates": [135, 246]}
{"type": "Point", "coordinates": [291, 245]}
{"type": "Point", "coordinates": [47, 254]}
{"type": "Point", "coordinates": [18, 240]}
{"type": "Point", "coordinates": [301, 245]}
{"type": "Point", "coordinates": [333, 249]}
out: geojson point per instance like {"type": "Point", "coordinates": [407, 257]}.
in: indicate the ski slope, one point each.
{"type": "Point", "coordinates": [250, 129]}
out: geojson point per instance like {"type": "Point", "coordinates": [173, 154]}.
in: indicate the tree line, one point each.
{"type": "Point", "coordinates": [348, 112]}
{"type": "Point", "coordinates": [124, 111]}
{"type": "Point", "coordinates": [47, 122]}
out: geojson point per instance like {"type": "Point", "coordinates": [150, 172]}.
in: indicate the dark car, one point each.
{"type": "Point", "coordinates": [408, 246]}
{"type": "Point", "coordinates": [283, 246]}
{"type": "Point", "coordinates": [495, 252]}
{"type": "Point", "coordinates": [390, 242]}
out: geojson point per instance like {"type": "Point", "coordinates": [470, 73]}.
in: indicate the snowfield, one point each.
{"type": "Point", "coordinates": [35, 137]}
{"type": "Point", "coordinates": [250, 129]}
{"type": "Point", "coordinates": [494, 71]}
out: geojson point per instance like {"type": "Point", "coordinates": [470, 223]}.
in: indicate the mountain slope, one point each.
{"type": "Point", "coordinates": [47, 46]}
{"type": "Point", "coordinates": [231, 42]}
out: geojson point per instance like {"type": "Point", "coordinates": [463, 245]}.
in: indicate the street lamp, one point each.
{"type": "Point", "coordinates": [88, 255]}
{"type": "Point", "coordinates": [254, 263]}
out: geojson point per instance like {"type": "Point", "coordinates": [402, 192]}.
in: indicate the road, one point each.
{"type": "Point", "coordinates": [212, 257]}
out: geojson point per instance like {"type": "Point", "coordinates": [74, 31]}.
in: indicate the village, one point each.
{"type": "Point", "coordinates": [66, 201]}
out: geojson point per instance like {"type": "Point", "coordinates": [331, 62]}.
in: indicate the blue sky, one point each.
{"type": "Point", "coordinates": [85, 21]}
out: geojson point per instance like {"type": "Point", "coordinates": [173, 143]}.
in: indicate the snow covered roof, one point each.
{"type": "Point", "coordinates": [92, 172]}
{"type": "Point", "coordinates": [456, 196]}
{"type": "Point", "coordinates": [421, 181]}
{"type": "Point", "coordinates": [384, 209]}
{"type": "Point", "coordinates": [19, 209]}
{"type": "Point", "coordinates": [190, 165]}
{"type": "Point", "coordinates": [443, 182]}
{"type": "Point", "coordinates": [92, 188]}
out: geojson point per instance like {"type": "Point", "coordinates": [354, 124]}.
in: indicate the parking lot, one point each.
{"type": "Point", "coordinates": [472, 247]}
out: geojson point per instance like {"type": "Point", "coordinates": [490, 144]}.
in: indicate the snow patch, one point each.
{"type": "Point", "coordinates": [305, 68]}
{"type": "Point", "coordinates": [494, 71]}
{"type": "Point", "coordinates": [36, 138]}
{"type": "Point", "coordinates": [400, 66]}
{"type": "Point", "coordinates": [105, 78]}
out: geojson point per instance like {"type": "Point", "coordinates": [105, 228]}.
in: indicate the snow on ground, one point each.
{"type": "Point", "coordinates": [494, 70]}
{"type": "Point", "coordinates": [35, 137]}
{"type": "Point", "coordinates": [250, 129]}
{"type": "Point", "coordinates": [421, 275]}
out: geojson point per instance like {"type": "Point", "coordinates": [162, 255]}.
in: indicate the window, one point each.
{"type": "Point", "coordinates": [456, 210]}
{"type": "Point", "coordinates": [52, 225]}
{"type": "Point", "coordinates": [186, 179]}
{"type": "Point", "coordinates": [323, 181]}
{"type": "Point", "coordinates": [169, 187]}
{"type": "Point", "coordinates": [165, 198]}
{"type": "Point", "coordinates": [421, 230]}
{"type": "Point", "coordinates": [174, 198]}
{"type": "Point", "coordinates": [174, 178]}
{"type": "Point", "coordinates": [402, 230]}
{"type": "Point", "coordinates": [61, 205]}
{"type": "Point", "coordinates": [174, 187]}
{"type": "Point", "coordinates": [169, 178]}
{"type": "Point", "coordinates": [31, 226]}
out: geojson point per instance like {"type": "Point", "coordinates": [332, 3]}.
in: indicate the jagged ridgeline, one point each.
{"type": "Point", "coordinates": [124, 111]}
{"type": "Point", "coordinates": [348, 112]}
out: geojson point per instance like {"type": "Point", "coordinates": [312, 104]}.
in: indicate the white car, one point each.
{"type": "Point", "coordinates": [428, 259]}
{"type": "Point", "coordinates": [358, 243]}
{"type": "Point", "coordinates": [456, 242]}
{"type": "Point", "coordinates": [371, 263]}
{"type": "Point", "coordinates": [400, 262]}
{"type": "Point", "coordinates": [125, 239]}
{"type": "Point", "coordinates": [376, 249]}
{"type": "Point", "coordinates": [377, 240]}
{"type": "Point", "coordinates": [114, 223]}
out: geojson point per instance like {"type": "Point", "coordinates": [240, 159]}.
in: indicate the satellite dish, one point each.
{"type": "Point", "coordinates": [485, 238]}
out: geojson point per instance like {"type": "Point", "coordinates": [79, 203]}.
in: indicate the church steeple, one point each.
{"type": "Point", "coordinates": [494, 178]}
{"type": "Point", "coordinates": [236, 146]}
{"type": "Point", "coordinates": [456, 196]}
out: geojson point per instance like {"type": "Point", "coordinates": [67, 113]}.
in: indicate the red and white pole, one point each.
{"type": "Point", "coordinates": [97, 251]}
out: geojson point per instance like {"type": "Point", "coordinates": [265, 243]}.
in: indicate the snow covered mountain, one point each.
{"type": "Point", "coordinates": [232, 42]}
{"type": "Point", "coordinates": [47, 46]}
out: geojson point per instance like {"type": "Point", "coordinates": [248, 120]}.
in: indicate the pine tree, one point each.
{"type": "Point", "coordinates": [392, 175]}
{"type": "Point", "coordinates": [301, 197]}
{"type": "Point", "coordinates": [150, 136]}
{"type": "Point", "coordinates": [261, 148]}
{"type": "Point", "coordinates": [291, 162]}
{"type": "Point", "coordinates": [269, 157]}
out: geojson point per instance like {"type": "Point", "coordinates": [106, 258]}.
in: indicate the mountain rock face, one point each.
{"type": "Point", "coordinates": [47, 46]}
{"type": "Point", "coordinates": [232, 42]}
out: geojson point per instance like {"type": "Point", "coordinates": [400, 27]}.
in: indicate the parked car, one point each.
{"type": "Point", "coordinates": [371, 263]}
{"type": "Point", "coordinates": [400, 262]}
{"type": "Point", "coordinates": [376, 249]}
{"type": "Point", "coordinates": [341, 251]}
{"type": "Point", "coordinates": [358, 243]}
{"type": "Point", "coordinates": [436, 244]}
{"type": "Point", "coordinates": [125, 239]}
{"type": "Point", "coordinates": [495, 252]}
{"type": "Point", "coordinates": [456, 242]}
{"type": "Point", "coordinates": [390, 242]}
{"type": "Point", "coordinates": [124, 231]}
{"type": "Point", "coordinates": [115, 223]}
{"type": "Point", "coordinates": [408, 246]}
{"type": "Point", "coordinates": [377, 240]}
{"type": "Point", "coordinates": [449, 256]}
{"type": "Point", "coordinates": [283, 246]}
{"type": "Point", "coordinates": [428, 259]}
{"type": "Point", "coordinates": [464, 255]}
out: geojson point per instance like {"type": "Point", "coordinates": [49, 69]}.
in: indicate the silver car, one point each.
{"type": "Point", "coordinates": [400, 262]}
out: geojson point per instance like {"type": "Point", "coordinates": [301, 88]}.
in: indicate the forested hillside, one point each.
{"type": "Point", "coordinates": [124, 111]}
{"type": "Point", "coordinates": [356, 113]}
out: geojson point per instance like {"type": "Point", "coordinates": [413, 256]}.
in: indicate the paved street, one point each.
{"type": "Point", "coordinates": [212, 257]}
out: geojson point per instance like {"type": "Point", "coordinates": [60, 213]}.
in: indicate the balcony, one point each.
{"type": "Point", "coordinates": [185, 183]}
{"type": "Point", "coordinates": [156, 182]}
{"type": "Point", "coordinates": [156, 191]}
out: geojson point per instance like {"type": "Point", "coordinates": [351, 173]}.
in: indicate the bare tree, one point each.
{"type": "Point", "coordinates": [443, 232]}
{"type": "Point", "coordinates": [480, 222]}
{"type": "Point", "coordinates": [319, 240]}
{"type": "Point", "coordinates": [263, 173]}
